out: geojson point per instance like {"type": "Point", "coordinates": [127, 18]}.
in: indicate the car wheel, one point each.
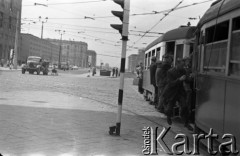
{"type": "Point", "coordinates": [23, 71]}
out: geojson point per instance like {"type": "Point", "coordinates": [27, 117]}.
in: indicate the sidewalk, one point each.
{"type": "Point", "coordinates": [52, 123]}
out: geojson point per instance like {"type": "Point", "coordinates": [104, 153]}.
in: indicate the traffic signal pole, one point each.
{"type": "Point", "coordinates": [123, 29]}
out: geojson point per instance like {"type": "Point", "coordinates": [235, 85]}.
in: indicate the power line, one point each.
{"type": "Point", "coordinates": [165, 15]}
{"type": "Point", "coordinates": [69, 3]}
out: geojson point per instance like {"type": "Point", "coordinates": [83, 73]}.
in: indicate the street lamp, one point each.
{"type": "Point", "coordinates": [61, 32]}
{"type": "Point", "coordinates": [43, 21]}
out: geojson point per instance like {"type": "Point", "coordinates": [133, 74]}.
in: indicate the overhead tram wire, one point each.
{"type": "Point", "coordinates": [150, 13]}
{"type": "Point", "coordinates": [70, 3]}
{"type": "Point", "coordinates": [165, 15]}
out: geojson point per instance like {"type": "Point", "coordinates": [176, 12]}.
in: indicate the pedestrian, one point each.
{"type": "Point", "coordinates": [153, 68]}
{"type": "Point", "coordinates": [174, 92]}
{"type": "Point", "coordinates": [93, 71]}
{"type": "Point", "coordinates": [161, 79]}
{"type": "Point", "coordinates": [113, 71]}
{"type": "Point", "coordinates": [140, 82]}
{"type": "Point", "coordinates": [116, 72]}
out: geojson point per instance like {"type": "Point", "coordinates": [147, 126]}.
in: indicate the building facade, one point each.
{"type": "Point", "coordinates": [8, 20]}
{"type": "Point", "coordinates": [132, 62]}
{"type": "Point", "coordinates": [33, 46]}
{"type": "Point", "coordinates": [73, 52]}
{"type": "Point", "coordinates": [140, 57]}
{"type": "Point", "coordinates": [92, 57]}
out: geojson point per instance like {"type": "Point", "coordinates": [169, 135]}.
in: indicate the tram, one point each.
{"type": "Point", "coordinates": [177, 42]}
{"type": "Point", "coordinates": [217, 61]}
{"type": "Point", "coordinates": [215, 46]}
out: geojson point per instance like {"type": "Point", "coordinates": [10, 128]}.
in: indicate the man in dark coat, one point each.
{"type": "Point", "coordinates": [161, 79]}
{"type": "Point", "coordinates": [153, 68]}
{"type": "Point", "coordinates": [140, 76]}
{"type": "Point", "coordinates": [174, 91]}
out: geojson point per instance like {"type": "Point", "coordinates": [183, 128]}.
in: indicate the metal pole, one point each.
{"type": "Point", "coordinates": [16, 43]}
{"type": "Point", "coordinates": [42, 31]}
{"type": "Point", "coordinates": [117, 128]}
{"type": "Point", "coordinates": [60, 53]}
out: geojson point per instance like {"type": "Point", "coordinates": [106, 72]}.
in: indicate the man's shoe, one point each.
{"type": "Point", "coordinates": [169, 120]}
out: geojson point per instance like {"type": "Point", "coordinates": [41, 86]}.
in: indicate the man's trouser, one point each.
{"type": "Point", "coordinates": [155, 101]}
{"type": "Point", "coordinates": [160, 105]}
{"type": "Point", "coordinates": [184, 108]}
{"type": "Point", "coordinates": [140, 83]}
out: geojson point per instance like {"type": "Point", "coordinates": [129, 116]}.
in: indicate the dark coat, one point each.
{"type": "Point", "coordinates": [161, 75]}
{"type": "Point", "coordinates": [153, 68]}
{"type": "Point", "coordinates": [174, 87]}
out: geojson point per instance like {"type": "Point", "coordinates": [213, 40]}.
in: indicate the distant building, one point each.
{"type": "Point", "coordinates": [33, 46]}
{"type": "Point", "coordinates": [132, 62]}
{"type": "Point", "coordinates": [73, 52]}
{"type": "Point", "coordinates": [140, 57]}
{"type": "Point", "coordinates": [92, 57]}
{"type": "Point", "coordinates": [8, 21]}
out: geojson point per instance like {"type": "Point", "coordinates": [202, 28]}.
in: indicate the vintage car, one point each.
{"type": "Point", "coordinates": [35, 64]}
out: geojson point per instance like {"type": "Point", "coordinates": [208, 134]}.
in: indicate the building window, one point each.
{"type": "Point", "coordinates": [1, 19]}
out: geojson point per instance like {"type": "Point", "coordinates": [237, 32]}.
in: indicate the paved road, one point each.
{"type": "Point", "coordinates": [70, 114]}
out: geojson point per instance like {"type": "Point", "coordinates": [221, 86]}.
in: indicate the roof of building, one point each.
{"type": "Point", "coordinates": [183, 32]}
{"type": "Point", "coordinates": [219, 8]}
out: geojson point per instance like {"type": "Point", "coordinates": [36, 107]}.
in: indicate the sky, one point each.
{"type": "Point", "coordinates": [89, 21]}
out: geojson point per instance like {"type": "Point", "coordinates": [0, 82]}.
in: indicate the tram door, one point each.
{"type": "Point", "coordinates": [170, 48]}
{"type": "Point", "coordinates": [179, 52]}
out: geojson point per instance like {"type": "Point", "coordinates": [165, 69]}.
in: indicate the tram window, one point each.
{"type": "Point", "coordinates": [153, 52]}
{"type": "Point", "coordinates": [179, 51]}
{"type": "Point", "coordinates": [236, 24]}
{"type": "Point", "coordinates": [215, 57]}
{"type": "Point", "coordinates": [145, 61]}
{"type": "Point", "coordinates": [170, 48]}
{"type": "Point", "coordinates": [235, 55]}
{"type": "Point", "coordinates": [158, 53]}
{"type": "Point", "coordinates": [217, 33]}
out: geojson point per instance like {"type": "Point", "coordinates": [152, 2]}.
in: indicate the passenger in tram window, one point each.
{"type": "Point", "coordinates": [174, 91]}
{"type": "Point", "coordinates": [140, 76]}
{"type": "Point", "coordinates": [161, 79]}
{"type": "Point", "coordinates": [153, 68]}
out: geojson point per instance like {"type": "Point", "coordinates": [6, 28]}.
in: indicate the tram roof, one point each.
{"type": "Point", "coordinates": [155, 42]}
{"type": "Point", "coordinates": [212, 12]}
{"type": "Point", "coordinates": [183, 32]}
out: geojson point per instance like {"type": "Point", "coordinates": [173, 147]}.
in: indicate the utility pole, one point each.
{"type": "Point", "coordinates": [61, 32]}
{"type": "Point", "coordinates": [15, 56]}
{"type": "Point", "coordinates": [42, 25]}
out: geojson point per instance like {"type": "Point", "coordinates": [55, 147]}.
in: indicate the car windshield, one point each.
{"type": "Point", "coordinates": [33, 59]}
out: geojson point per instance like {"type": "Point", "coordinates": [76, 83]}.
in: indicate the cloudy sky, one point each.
{"type": "Point", "coordinates": [89, 21]}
